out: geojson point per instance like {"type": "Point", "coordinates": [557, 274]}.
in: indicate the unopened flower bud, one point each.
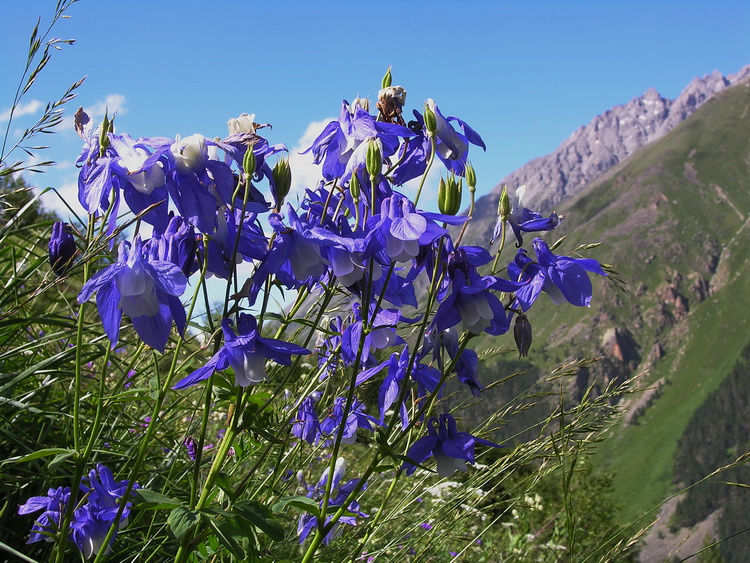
{"type": "Point", "coordinates": [471, 176]}
{"type": "Point", "coordinates": [430, 121]}
{"type": "Point", "coordinates": [190, 447]}
{"type": "Point", "coordinates": [386, 82]}
{"type": "Point", "coordinates": [103, 137]}
{"type": "Point", "coordinates": [503, 206]}
{"type": "Point", "coordinates": [248, 163]}
{"type": "Point", "coordinates": [354, 188]}
{"type": "Point", "coordinates": [449, 195]}
{"type": "Point", "coordinates": [62, 248]}
{"type": "Point", "coordinates": [282, 179]}
{"type": "Point", "coordinates": [374, 159]}
{"type": "Point", "coordinates": [522, 335]}
{"type": "Point", "coordinates": [339, 469]}
{"type": "Point", "coordinates": [179, 245]}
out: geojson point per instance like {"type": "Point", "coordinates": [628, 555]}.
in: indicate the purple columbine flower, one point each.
{"type": "Point", "coordinates": [357, 418]}
{"type": "Point", "coordinates": [382, 334]}
{"type": "Point", "coordinates": [467, 364]}
{"type": "Point", "coordinates": [145, 290]}
{"type": "Point", "coordinates": [139, 171]}
{"type": "Point", "coordinates": [294, 258]}
{"type": "Point", "coordinates": [472, 304]}
{"type": "Point", "coordinates": [190, 447]}
{"type": "Point", "coordinates": [524, 220]}
{"type": "Point", "coordinates": [426, 378]}
{"type": "Point", "coordinates": [451, 448]}
{"type": "Point", "coordinates": [400, 229]}
{"type": "Point", "coordinates": [563, 278]}
{"type": "Point", "coordinates": [342, 145]}
{"type": "Point", "coordinates": [451, 146]}
{"type": "Point", "coordinates": [53, 507]}
{"type": "Point", "coordinates": [178, 244]}
{"type": "Point", "coordinates": [91, 519]}
{"type": "Point", "coordinates": [96, 181]}
{"type": "Point", "coordinates": [62, 248]}
{"type": "Point", "coordinates": [197, 183]}
{"type": "Point", "coordinates": [339, 493]}
{"type": "Point", "coordinates": [307, 426]}
{"type": "Point", "coordinates": [221, 243]}
{"type": "Point", "coordinates": [246, 353]}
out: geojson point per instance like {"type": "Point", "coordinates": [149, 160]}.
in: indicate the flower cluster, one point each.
{"type": "Point", "coordinates": [340, 492]}
{"type": "Point", "coordinates": [356, 233]}
{"type": "Point", "coordinates": [92, 518]}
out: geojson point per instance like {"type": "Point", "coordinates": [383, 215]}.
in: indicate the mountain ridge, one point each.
{"type": "Point", "coordinates": [607, 140]}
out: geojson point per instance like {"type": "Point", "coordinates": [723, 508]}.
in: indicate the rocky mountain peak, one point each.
{"type": "Point", "coordinates": [609, 139]}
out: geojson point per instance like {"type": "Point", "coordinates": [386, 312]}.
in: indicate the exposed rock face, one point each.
{"type": "Point", "coordinates": [607, 140]}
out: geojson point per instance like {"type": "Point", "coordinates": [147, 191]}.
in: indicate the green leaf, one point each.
{"type": "Point", "coordinates": [182, 522]}
{"type": "Point", "coordinates": [58, 459]}
{"type": "Point", "coordinates": [301, 503]}
{"type": "Point", "coordinates": [383, 467]}
{"type": "Point", "coordinates": [225, 484]}
{"type": "Point", "coordinates": [261, 517]}
{"type": "Point", "coordinates": [40, 453]}
{"type": "Point", "coordinates": [151, 500]}
{"type": "Point", "coordinates": [257, 400]}
{"type": "Point", "coordinates": [229, 535]}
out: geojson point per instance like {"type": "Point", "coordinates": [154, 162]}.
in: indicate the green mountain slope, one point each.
{"type": "Point", "coordinates": [675, 220]}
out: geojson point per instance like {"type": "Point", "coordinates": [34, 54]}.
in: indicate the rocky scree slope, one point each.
{"type": "Point", "coordinates": [606, 141]}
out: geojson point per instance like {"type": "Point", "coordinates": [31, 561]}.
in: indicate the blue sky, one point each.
{"type": "Point", "coordinates": [525, 75]}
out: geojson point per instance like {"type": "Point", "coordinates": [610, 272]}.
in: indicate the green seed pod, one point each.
{"type": "Point", "coordinates": [430, 121]}
{"type": "Point", "coordinates": [471, 176]}
{"type": "Point", "coordinates": [248, 163]}
{"type": "Point", "coordinates": [374, 159]}
{"type": "Point", "coordinates": [442, 196]}
{"type": "Point", "coordinates": [386, 79]}
{"type": "Point", "coordinates": [449, 195]}
{"type": "Point", "coordinates": [282, 178]}
{"type": "Point", "coordinates": [354, 188]}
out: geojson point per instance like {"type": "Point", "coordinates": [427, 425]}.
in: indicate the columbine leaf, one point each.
{"type": "Point", "coordinates": [182, 522]}
{"type": "Point", "coordinates": [151, 500]}
{"type": "Point", "coordinates": [229, 536]}
{"type": "Point", "coordinates": [261, 517]}
{"type": "Point", "coordinates": [303, 504]}
{"type": "Point", "coordinates": [41, 453]}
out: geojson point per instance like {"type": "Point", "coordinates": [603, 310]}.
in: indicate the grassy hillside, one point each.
{"type": "Point", "coordinates": [674, 220]}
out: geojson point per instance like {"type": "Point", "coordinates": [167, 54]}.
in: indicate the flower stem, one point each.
{"type": "Point", "coordinates": [472, 189]}
{"type": "Point", "coordinates": [499, 248]}
{"type": "Point", "coordinates": [143, 445]}
{"type": "Point", "coordinates": [426, 171]}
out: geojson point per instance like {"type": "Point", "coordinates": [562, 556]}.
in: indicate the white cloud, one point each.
{"type": "Point", "coordinates": [112, 104]}
{"type": "Point", "coordinates": [305, 174]}
{"type": "Point", "coordinates": [68, 193]}
{"type": "Point", "coordinates": [22, 109]}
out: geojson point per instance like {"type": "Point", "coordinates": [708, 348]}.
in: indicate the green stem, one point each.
{"type": "Point", "coordinates": [470, 214]}
{"type": "Point", "coordinates": [62, 540]}
{"type": "Point", "coordinates": [143, 445]}
{"type": "Point", "coordinates": [429, 165]}
{"type": "Point", "coordinates": [499, 248]}
{"type": "Point", "coordinates": [371, 525]}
